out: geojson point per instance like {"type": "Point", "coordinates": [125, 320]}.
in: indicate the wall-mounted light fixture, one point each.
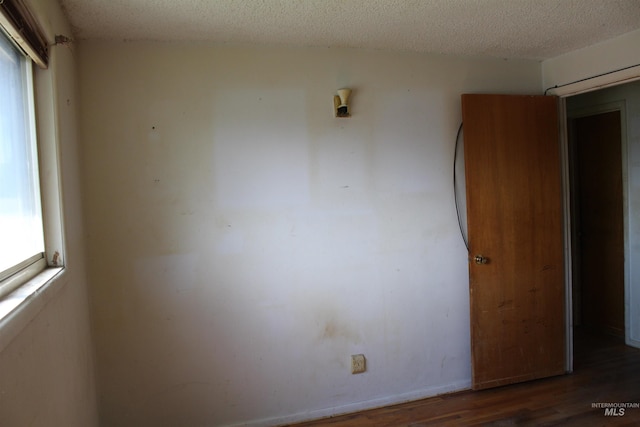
{"type": "Point", "coordinates": [341, 103]}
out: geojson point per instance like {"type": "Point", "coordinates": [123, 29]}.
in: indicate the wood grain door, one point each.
{"type": "Point", "coordinates": [515, 228]}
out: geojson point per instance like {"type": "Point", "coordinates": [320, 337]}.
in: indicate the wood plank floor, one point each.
{"type": "Point", "coordinates": [605, 370]}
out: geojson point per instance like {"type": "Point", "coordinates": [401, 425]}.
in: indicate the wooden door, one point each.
{"type": "Point", "coordinates": [598, 149]}
{"type": "Point", "coordinates": [515, 228]}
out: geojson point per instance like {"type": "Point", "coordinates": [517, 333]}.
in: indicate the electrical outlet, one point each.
{"type": "Point", "coordinates": [358, 364]}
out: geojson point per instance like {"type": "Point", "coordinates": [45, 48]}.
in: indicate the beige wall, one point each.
{"type": "Point", "coordinates": [244, 243]}
{"type": "Point", "coordinates": [46, 363]}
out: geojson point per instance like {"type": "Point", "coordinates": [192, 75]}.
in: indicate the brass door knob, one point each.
{"type": "Point", "coordinates": [479, 259]}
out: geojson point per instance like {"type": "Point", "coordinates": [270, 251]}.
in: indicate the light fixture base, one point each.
{"type": "Point", "coordinates": [341, 103]}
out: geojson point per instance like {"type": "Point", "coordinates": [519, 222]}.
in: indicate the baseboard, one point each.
{"type": "Point", "coordinates": [632, 343]}
{"type": "Point", "coordinates": [359, 406]}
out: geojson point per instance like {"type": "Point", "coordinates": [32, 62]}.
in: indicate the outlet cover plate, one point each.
{"type": "Point", "coordinates": [358, 364]}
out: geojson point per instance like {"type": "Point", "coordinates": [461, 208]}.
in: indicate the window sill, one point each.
{"type": "Point", "coordinates": [31, 288]}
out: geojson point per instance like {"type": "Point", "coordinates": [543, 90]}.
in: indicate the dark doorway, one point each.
{"type": "Point", "coordinates": [598, 223]}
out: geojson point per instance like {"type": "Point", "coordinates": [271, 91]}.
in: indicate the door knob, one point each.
{"type": "Point", "coordinates": [479, 259]}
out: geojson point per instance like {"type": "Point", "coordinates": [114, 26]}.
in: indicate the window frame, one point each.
{"type": "Point", "coordinates": [25, 278]}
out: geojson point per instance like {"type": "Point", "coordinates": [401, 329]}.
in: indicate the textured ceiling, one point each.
{"type": "Point", "coordinates": [533, 29]}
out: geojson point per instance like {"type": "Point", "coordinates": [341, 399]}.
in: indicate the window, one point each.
{"type": "Point", "coordinates": [22, 240]}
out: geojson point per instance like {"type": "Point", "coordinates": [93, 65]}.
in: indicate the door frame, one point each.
{"type": "Point", "coordinates": [564, 117]}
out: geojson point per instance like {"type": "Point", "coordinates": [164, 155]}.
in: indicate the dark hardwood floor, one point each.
{"type": "Point", "coordinates": [605, 371]}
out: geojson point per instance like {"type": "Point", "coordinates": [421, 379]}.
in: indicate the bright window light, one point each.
{"type": "Point", "coordinates": [21, 231]}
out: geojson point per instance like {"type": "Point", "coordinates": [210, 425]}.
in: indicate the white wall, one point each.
{"type": "Point", "coordinates": [244, 243]}
{"type": "Point", "coordinates": [628, 96]}
{"type": "Point", "coordinates": [46, 363]}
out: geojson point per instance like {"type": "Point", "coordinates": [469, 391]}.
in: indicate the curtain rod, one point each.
{"type": "Point", "coordinates": [589, 78]}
